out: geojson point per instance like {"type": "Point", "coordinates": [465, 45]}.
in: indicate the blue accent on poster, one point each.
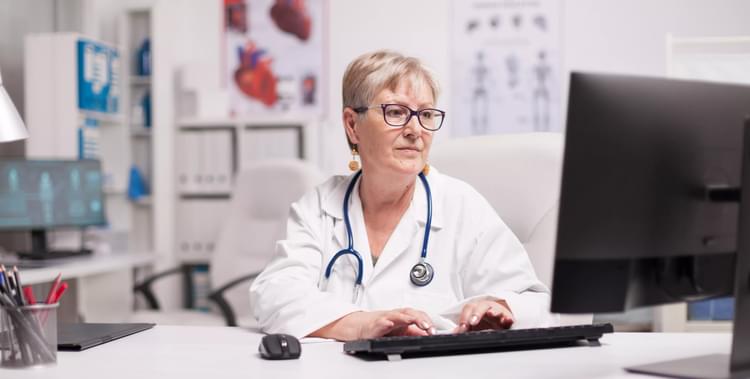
{"type": "Point", "coordinates": [98, 77]}
{"type": "Point", "coordinates": [88, 139]}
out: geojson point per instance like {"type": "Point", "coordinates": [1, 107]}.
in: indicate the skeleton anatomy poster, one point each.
{"type": "Point", "coordinates": [274, 56]}
{"type": "Point", "coordinates": [506, 66]}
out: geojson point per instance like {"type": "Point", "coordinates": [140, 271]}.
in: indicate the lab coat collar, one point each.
{"type": "Point", "coordinates": [334, 202]}
{"type": "Point", "coordinates": [406, 237]}
{"type": "Point", "coordinates": [419, 202]}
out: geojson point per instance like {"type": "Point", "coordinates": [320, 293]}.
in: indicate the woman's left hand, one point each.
{"type": "Point", "coordinates": [484, 314]}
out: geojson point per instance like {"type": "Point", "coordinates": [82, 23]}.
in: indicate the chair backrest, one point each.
{"type": "Point", "coordinates": [258, 212]}
{"type": "Point", "coordinates": [519, 174]}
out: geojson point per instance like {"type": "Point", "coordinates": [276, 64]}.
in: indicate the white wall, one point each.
{"type": "Point", "coordinates": [598, 35]}
{"type": "Point", "coordinates": [629, 36]}
{"type": "Point", "coordinates": [613, 36]}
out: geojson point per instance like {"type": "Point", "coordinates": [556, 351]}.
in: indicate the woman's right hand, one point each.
{"type": "Point", "coordinates": [365, 325]}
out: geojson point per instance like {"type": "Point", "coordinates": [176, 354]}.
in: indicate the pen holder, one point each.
{"type": "Point", "coordinates": [28, 335]}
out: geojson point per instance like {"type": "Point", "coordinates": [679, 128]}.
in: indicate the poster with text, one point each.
{"type": "Point", "coordinates": [274, 57]}
{"type": "Point", "coordinates": [98, 77]}
{"type": "Point", "coordinates": [506, 66]}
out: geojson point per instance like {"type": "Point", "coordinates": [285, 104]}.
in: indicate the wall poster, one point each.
{"type": "Point", "coordinates": [274, 57]}
{"type": "Point", "coordinates": [506, 66]}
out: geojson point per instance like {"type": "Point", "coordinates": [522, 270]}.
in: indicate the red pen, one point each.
{"type": "Point", "coordinates": [59, 292]}
{"type": "Point", "coordinates": [51, 294]}
{"type": "Point", "coordinates": [30, 299]}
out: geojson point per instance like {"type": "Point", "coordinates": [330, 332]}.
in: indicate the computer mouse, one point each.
{"type": "Point", "coordinates": [279, 346]}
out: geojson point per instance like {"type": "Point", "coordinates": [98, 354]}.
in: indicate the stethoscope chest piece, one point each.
{"type": "Point", "coordinates": [421, 274]}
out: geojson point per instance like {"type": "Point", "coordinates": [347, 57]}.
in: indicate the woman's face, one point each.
{"type": "Point", "coordinates": [387, 149]}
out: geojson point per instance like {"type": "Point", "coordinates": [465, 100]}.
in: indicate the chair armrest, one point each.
{"type": "Point", "coordinates": [225, 308]}
{"type": "Point", "coordinates": [144, 287]}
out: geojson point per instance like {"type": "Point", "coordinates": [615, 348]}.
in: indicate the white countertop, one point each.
{"type": "Point", "coordinates": [222, 352]}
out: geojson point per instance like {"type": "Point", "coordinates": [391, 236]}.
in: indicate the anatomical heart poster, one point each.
{"type": "Point", "coordinates": [274, 57]}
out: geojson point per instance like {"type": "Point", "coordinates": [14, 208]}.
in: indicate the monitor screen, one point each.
{"type": "Point", "coordinates": [46, 194]}
{"type": "Point", "coordinates": [655, 203]}
{"type": "Point", "coordinates": [640, 154]}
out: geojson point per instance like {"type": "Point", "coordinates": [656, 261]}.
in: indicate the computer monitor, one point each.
{"type": "Point", "coordinates": [650, 209]}
{"type": "Point", "coordinates": [40, 195]}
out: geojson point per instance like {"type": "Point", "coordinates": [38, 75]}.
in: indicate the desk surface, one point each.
{"type": "Point", "coordinates": [74, 267]}
{"type": "Point", "coordinates": [221, 352]}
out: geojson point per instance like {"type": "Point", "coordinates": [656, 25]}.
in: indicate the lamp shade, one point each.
{"type": "Point", "coordinates": [11, 125]}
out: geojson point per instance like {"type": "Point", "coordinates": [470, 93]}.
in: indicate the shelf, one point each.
{"type": "Point", "coordinates": [114, 191]}
{"type": "Point", "coordinates": [140, 132]}
{"type": "Point", "coordinates": [206, 196]}
{"type": "Point", "coordinates": [102, 117]}
{"type": "Point", "coordinates": [137, 80]}
{"type": "Point", "coordinates": [208, 124]}
{"type": "Point", "coordinates": [194, 258]}
{"type": "Point", "coordinates": [708, 326]}
{"type": "Point", "coordinates": [277, 121]}
{"type": "Point", "coordinates": [143, 201]}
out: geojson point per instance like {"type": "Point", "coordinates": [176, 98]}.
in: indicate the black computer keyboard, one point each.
{"type": "Point", "coordinates": [486, 340]}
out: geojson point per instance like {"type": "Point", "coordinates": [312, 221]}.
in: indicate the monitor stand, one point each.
{"type": "Point", "coordinates": [40, 250]}
{"type": "Point", "coordinates": [736, 365]}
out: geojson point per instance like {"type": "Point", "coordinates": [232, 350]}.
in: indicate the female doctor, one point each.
{"type": "Point", "coordinates": [396, 248]}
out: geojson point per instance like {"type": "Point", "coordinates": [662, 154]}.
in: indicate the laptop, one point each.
{"type": "Point", "coordinates": [78, 337]}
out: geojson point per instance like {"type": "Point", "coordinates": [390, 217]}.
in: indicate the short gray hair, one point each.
{"type": "Point", "coordinates": [370, 73]}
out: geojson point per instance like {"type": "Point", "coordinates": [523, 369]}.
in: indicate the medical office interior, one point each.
{"type": "Point", "coordinates": [177, 117]}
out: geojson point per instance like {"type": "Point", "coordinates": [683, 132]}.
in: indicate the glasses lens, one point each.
{"type": "Point", "coordinates": [395, 114]}
{"type": "Point", "coordinates": [431, 118]}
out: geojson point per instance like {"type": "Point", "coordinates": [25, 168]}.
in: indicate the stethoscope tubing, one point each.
{"type": "Point", "coordinates": [350, 234]}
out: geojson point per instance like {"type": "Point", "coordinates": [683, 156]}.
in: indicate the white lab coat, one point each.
{"type": "Point", "coordinates": [473, 252]}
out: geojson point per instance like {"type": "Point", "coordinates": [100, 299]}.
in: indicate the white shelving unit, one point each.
{"type": "Point", "coordinates": [211, 152]}
{"type": "Point", "coordinates": [74, 87]}
{"type": "Point", "coordinates": [135, 28]}
{"type": "Point", "coordinates": [56, 116]}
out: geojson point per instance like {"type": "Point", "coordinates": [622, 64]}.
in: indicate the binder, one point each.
{"type": "Point", "coordinates": [222, 161]}
{"type": "Point", "coordinates": [268, 143]}
{"type": "Point", "coordinates": [200, 223]}
{"type": "Point", "coordinates": [184, 152]}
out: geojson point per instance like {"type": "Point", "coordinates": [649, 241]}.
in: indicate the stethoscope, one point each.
{"type": "Point", "coordinates": [422, 272]}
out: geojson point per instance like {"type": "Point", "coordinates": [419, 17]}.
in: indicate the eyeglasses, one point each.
{"type": "Point", "coordinates": [398, 115]}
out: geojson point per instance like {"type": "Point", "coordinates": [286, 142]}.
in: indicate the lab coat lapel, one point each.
{"type": "Point", "coordinates": [401, 242]}
{"type": "Point", "coordinates": [333, 205]}
{"type": "Point", "coordinates": [407, 238]}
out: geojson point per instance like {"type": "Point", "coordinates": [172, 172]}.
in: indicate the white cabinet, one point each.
{"type": "Point", "coordinates": [209, 153]}
{"type": "Point", "coordinates": [135, 43]}
{"type": "Point", "coordinates": [73, 110]}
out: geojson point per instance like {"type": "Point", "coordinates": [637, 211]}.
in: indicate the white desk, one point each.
{"type": "Point", "coordinates": [182, 352]}
{"type": "Point", "coordinates": [101, 285]}
{"type": "Point", "coordinates": [76, 267]}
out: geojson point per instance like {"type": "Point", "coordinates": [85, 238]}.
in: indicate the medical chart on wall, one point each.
{"type": "Point", "coordinates": [505, 66]}
{"type": "Point", "coordinates": [274, 57]}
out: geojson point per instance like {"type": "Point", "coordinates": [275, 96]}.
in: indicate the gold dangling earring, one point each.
{"type": "Point", "coordinates": [426, 169]}
{"type": "Point", "coordinates": [354, 164]}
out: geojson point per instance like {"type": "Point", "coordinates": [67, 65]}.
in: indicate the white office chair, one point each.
{"type": "Point", "coordinates": [519, 174]}
{"type": "Point", "coordinates": [257, 218]}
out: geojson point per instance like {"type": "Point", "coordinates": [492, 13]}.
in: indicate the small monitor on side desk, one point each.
{"type": "Point", "coordinates": [42, 195]}
{"type": "Point", "coordinates": [650, 209]}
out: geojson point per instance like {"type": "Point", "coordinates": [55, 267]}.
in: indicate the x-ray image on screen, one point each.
{"type": "Point", "coordinates": [41, 194]}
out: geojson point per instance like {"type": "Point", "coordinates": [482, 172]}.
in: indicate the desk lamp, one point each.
{"type": "Point", "coordinates": [11, 125]}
